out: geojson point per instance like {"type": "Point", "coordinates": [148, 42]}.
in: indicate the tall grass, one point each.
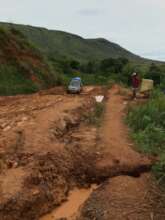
{"type": "Point", "coordinates": [148, 125]}
{"type": "Point", "coordinates": [95, 117]}
{"type": "Point", "coordinates": [13, 82]}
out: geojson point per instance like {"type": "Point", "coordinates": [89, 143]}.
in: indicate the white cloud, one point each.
{"type": "Point", "coordinates": [138, 25]}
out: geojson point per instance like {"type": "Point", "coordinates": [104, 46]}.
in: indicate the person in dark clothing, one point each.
{"type": "Point", "coordinates": [135, 84]}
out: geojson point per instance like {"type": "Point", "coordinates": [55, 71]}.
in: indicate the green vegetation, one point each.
{"type": "Point", "coordinates": [36, 58]}
{"type": "Point", "coordinates": [95, 116]}
{"type": "Point", "coordinates": [23, 69]}
{"type": "Point", "coordinates": [13, 82]}
{"type": "Point", "coordinates": [61, 56]}
{"type": "Point", "coordinates": [60, 45]}
{"type": "Point", "coordinates": [148, 124]}
{"type": "Point", "coordinates": [101, 72]}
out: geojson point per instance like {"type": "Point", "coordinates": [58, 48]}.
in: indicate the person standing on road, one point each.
{"type": "Point", "coordinates": [135, 84]}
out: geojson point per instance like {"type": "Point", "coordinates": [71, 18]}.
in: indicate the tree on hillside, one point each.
{"type": "Point", "coordinates": [113, 65]}
{"type": "Point", "coordinates": [154, 73]}
{"type": "Point", "coordinates": [74, 64]}
{"type": "Point", "coordinates": [127, 71]}
{"type": "Point", "coordinates": [90, 67]}
{"type": "Point", "coordinates": [107, 65]}
{"type": "Point", "coordinates": [120, 63]}
{"type": "Point", "coordinates": [64, 65]}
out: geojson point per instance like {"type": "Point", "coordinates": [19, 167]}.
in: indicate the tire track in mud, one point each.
{"type": "Point", "coordinates": [83, 158]}
{"type": "Point", "coordinates": [118, 161]}
{"type": "Point", "coordinates": [130, 192]}
{"type": "Point", "coordinates": [48, 164]}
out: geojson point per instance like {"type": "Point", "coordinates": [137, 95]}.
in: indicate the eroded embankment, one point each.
{"type": "Point", "coordinates": [56, 150]}
{"type": "Point", "coordinates": [119, 198]}
{"type": "Point", "coordinates": [115, 158]}
{"type": "Point", "coordinates": [46, 150]}
{"type": "Point", "coordinates": [132, 192]}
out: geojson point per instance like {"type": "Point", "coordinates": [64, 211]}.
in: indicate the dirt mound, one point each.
{"type": "Point", "coordinates": [120, 198]}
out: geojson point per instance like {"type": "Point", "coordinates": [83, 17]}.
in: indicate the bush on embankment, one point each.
{"type": "Point", "coordinates": [23, 68]}
{"type": "Point", "coordinates": [148, 124]}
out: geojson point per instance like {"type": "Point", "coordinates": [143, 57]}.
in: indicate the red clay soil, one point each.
{"type": "Point", "coordinates": [118, 155]}
{"type": "Point", "coordinates": [123, 197]}
{"type": "Point", "coordinates": [43, 140]}
{"type": "Point", "coordinates": [47, 148]}
{"type": "Point", "coordinates": [120, 198]}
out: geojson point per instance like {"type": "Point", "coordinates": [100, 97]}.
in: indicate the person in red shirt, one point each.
{"type": "Point", "coordinates": [135, 84]}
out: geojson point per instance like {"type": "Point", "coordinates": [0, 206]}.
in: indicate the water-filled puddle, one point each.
{"type": "Point", "coordinates": [75, 199]}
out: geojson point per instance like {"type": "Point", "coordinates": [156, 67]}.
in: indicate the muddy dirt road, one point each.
{"type": "Point", "coordinates": [130, 192]}
{"type": "Point", "coordinates": [55, 165]}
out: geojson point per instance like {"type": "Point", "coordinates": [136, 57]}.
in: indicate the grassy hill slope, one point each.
{"type": "Point", "coordinates": [59, 44]}
{"type": "Point", "coordinates": [23, 69]}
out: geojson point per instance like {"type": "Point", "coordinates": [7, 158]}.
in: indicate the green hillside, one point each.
{"type": "Point", "coordinates": [23, 68]}
{"type": "Point", "coordinates": [59, 44]}
{"type": "Point", "coordinates": [34, 58]}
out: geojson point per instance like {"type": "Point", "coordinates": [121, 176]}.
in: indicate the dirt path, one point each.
{"type": "Point", "coordinates": [123, 197]}
{"type": "Point", "coordinates": [50, 157]}
{"type": "Point", "coordinates": [114, 134]}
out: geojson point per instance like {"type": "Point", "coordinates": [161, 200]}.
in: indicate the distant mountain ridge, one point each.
{"type": "Point", "coordinates": [60, 44]}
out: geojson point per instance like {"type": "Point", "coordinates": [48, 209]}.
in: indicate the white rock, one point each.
{"type": "Point", "coordinates": [99, 98]}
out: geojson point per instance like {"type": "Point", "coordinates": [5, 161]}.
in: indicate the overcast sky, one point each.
{"type": "Point", "coordinates": [138, 25]}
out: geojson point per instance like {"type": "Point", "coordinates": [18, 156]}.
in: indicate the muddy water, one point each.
{"type": "Point", "coordinates": [75, 199]}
